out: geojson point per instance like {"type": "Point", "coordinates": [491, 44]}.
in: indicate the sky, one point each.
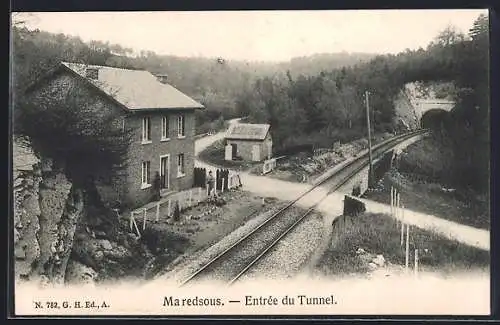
{"type": "Point", "coordinates": [259, 35]}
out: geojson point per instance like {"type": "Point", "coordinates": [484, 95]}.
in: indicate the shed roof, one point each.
{"type": "Point", "coordinates": [246, 131]}
{"type": "Point", "coordinates": [135, 89]}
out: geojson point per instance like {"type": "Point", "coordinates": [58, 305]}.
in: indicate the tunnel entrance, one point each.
{"type": "Point", "coordinates": [434, 119]}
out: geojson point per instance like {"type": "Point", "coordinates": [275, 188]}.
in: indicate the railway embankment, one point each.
{"type": "Point", "coordinates": [422, 175]}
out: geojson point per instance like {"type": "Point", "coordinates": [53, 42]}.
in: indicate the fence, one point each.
{"type": "Point", "coordinates": [398, 211]}
{"type": "Point", "coordinates": [200, 177]}
{"type": "Point", "coordinates": [211, 132]}
{"type": "Point", "coordinates": [221, 179]}
{"type": "Point", "coordinates": [185, 199]}
{"type": "Point", "coordinates": [165, 207]}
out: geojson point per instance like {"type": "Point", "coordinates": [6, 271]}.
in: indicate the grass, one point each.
{"type": "Point", "coordinates": [380, 234]}
{"type": "Point", "coordinates": [430, 158]}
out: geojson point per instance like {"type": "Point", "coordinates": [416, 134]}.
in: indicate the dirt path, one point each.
{"type": "Point", "coordinates": [332, 206]}
{"type": "Point", "coordinates": [325, 242]}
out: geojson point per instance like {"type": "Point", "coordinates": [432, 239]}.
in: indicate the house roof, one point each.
{"type": "Point", "coordinates": [135, 89]}
{"type": "Point", "coordinates": [246, 131]}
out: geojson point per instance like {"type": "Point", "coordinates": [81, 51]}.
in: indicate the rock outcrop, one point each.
{"type": "Point", "coordinates": [60, 235]}
{"type": "Point", "coordinates": [46, 211]}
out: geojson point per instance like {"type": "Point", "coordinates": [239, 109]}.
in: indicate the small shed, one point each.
{"type": "Point", "coordinates": [251, 142]}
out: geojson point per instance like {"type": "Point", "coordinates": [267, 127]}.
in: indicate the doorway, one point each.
{"type": "Point", "coordinates": [235, 149]}
{"type": "Point", "coordinates": [164, 171]}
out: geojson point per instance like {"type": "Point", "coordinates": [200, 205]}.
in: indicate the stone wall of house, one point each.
{"type": "Point", "coordinates": [89, 100]}
{"type": "Point", "coordinates": [244, 148]}
{"type": "Point", "coordinates": [159, 147]}
{"type": "Point", "coordinates": [128, 191]}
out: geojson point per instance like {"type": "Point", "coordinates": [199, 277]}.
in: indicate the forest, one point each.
{"type": "Point", "coordinates": [317, 99]}
{"type": "Point", "coordinates": [330, 106]}
{"type": "Point", "coordinates": [217, 83]}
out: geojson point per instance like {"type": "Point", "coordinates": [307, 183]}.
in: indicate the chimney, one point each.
{"type": "Point", "coordinates": [162, 78]}
{"type": "Point", "coordinates": [92, 73]}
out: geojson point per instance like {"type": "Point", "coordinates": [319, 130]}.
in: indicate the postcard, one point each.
{"type": "Point", "coordinates": [249, 163]}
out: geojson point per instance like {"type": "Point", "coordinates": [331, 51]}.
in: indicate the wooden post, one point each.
{"type": "Point", "coordinates": [370, 176]}
{"type": "Point", "coordinates": [407, 246]}
{"type": "Point", "coordinates": [131, 219]}
{"type": "Point", "coordinates": [157, 211]}
{"type": "Point", "coordinates": [137, 229]}
{"type": "Point", "coordinates": [401, 214]}
{"type": "Point", "coordinates": [144, 220]}
{"type": "Point", "coordinates": [169, 208]}
{"type": "Point", "coordinates": [415, 266]}
{"type": "Point", "coordinates": [392, 201]}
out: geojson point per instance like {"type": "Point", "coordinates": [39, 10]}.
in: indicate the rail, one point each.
{"type": "Point", "coordinates": [361, 160]}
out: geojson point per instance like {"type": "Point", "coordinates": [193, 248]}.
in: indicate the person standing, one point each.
{"type": "Point", "coordinates": [157, 187]}
{"type": "Point", "coordinates": [210, 182]}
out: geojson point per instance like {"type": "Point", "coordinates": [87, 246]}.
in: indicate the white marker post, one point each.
{"type": "Point", "coordinates": [401, 214]}
{"type": "Point", "coordinates": [199, 195]}
{"type": "Point", "coordinates": [392, 201]}
{"type": "Point", "coordinates": [415, 270]}
{"type": "Point", "coordinates": [169, 208]}
{"type": "Point", "coordinates": [144, 221]}
{"type": "Point", "coordinates": [407, 246]}
{"type": "Point", "coordinates": [157, 211]}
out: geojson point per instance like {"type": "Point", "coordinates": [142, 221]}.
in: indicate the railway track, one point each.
{"type": "Point", "coordinates": [237, 259]}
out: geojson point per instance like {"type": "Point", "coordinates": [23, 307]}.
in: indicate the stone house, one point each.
{"type": "Point", "coordinates": [160, 116]}
{"type": "Point", "coordinates": [251, 142]}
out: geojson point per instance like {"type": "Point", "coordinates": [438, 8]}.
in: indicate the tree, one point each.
{"type": "Point", "coordinates": [480, 28]}
{"type": "Point", "coordinates": [450, 35]}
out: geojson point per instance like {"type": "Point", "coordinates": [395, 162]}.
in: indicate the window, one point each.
{"type": "Point", "coordinates": [180, 126]}
{"type": "Point", "coordinates": [180, 165]}
{"type": "Point", "coordinates": [146, 177]}
{"type": "Point", "coordinates": [146, 130]}
{"type": "Point", "coordinates": [164, 128]}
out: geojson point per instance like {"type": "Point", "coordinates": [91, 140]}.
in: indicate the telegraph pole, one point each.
{"type": "Point", "coordinates": [370, 171]}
